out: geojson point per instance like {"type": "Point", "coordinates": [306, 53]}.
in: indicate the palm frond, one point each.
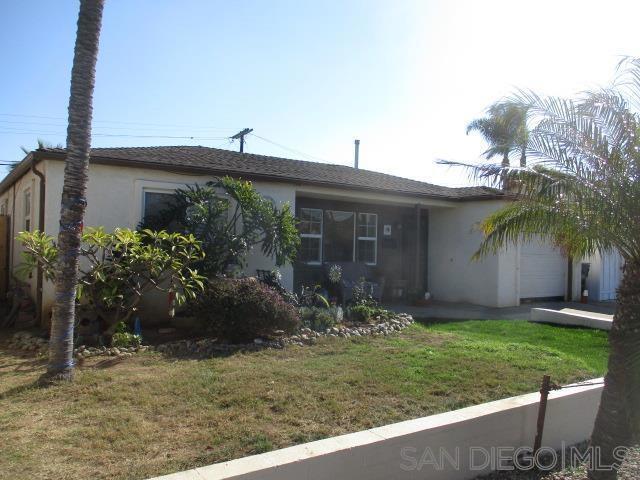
{"type": "Point", "coordinates": [526, 221]}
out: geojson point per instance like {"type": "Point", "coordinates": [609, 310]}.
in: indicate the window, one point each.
{"type": "Point", "coordinates": [310, 227]}
{"type": "Point", "coordinates": [338, 236]}
{"type": "Point", "coordinates": [367, 238]}
{"type": "Point", "coordinates": [4, 208]}
{"type": "Point", "coordinates": [156, 202]}
{"type": "Point", "coordinates": [27, 210]}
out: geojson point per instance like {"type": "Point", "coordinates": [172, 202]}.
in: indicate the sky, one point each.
{"type": "Point", "coordinates": [403, 76]}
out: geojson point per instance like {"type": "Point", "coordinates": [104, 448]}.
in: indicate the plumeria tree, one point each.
{"type": "Point", "coordinates": [119, 268]}
{"type": "Point", "coordinates": [581, 190]}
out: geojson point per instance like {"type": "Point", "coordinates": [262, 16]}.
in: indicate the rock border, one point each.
{"type": "Point", "coordinates": [209, 346]}
{"type": "Point", "coordinates": [27, 341]}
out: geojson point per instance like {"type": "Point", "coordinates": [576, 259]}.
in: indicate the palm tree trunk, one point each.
{"type": "Point", "coordinates": [523, 156]}
{"type": "Point", "coordinates": [73, 204]}
{"type": "Point", "coordinates": [505, 164]}
{"type": "Point", "coordinates": [617, 423]}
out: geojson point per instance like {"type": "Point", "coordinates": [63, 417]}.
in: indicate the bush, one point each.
{"type": "Point", "coordinates": [361, 313]}
{"type": "Point", "coordinates": [319, 319]}
{"type": "Point", "coordinates": [126, 340]}
{"type": "Point", "coordinates": [367, 313]}
{"type": "Point", "coordinates": [240, 310]}
{"type": "Point", "coordinates": [273, 279]}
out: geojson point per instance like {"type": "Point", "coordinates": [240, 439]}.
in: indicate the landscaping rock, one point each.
{"type": "Point", "coordinates": [208, 347]}
{"type": "Point", "coordinates": [30, 342]}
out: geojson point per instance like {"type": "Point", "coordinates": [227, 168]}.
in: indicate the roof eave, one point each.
{"type": "Point", "coordinates": [39, 155]}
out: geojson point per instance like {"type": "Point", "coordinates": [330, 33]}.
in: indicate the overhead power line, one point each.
{"type": "Point", "coordinates": [19, 124]}
{"type": "Point", "coordinates": [116, 135]}
{"type": "Point", "coordinates": [119, 122]}
{"type": "Point", "coordinates": [289, 149]}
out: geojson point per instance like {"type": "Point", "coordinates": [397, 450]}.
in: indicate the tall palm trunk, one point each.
{"type": "Point", "coordinates": [505, 164]}
{"type": "Point", "coordinates": [74, 188]}
{"type": "Point", "coordinates": [618, 420]}
{"type": "Point", "coordinates": [523, 156]}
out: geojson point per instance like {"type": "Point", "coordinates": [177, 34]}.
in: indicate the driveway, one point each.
{"type": "Point", "coordinates": [460, 311]}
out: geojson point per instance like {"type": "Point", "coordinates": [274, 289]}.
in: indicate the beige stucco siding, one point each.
{"type": "Point", "coordinates": [13, 203]}
{"type": "Point", "coordinates": [116, 194]}
{"type": "Point", "coordinates": [453, 276]}
{"type": "Point", "coordinates": [115, 199]}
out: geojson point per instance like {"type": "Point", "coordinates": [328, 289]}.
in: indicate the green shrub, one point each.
{"type": "Point", "coordinates": [126, 340]}
{"type": "Point", "coordinates": [239, 310]}
{"type": "Point", "coordinates": [318, 319]}
{"type": "Point", "coordinates": [361, 313]}
{"type": "Point", "coordinates": [367, 313]}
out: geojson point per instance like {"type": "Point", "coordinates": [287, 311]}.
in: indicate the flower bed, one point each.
{"type": "Point", "coordinates": [208, 346]}
{"type": "Point", "coordinates": [29, 342]}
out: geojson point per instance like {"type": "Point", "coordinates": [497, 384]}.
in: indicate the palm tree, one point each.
{"type": "Point", "coordinates": [583, 193]}
{"type": "Point", "coordinates": [73, 205]}
{"type": "Point", "coordinates": [505, 130]}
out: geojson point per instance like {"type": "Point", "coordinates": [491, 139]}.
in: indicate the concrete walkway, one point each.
{"type": "Point", "coordinates": [571, 316]}
{"type": "Point", "coordinates": [461, 311]}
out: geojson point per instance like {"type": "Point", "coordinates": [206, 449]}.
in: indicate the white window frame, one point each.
{"type": "Point", "coordinates": [319, 236]}
{"type": "Point", "coordinates": [369, 239]}
{"type": "Point", "coordinates": [146, 190]}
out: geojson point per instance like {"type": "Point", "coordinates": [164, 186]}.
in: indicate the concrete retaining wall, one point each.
{"type": "Point", "coordinates": [425, 448]}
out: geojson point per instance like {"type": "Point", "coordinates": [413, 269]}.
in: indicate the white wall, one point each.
{"type": "Point", "coordinates": [115, 199]}
{"type": "Point", "coordinates": [453, 276]}
{"type": "Point", "coordinates": [604, 275]}
{"type": "Point", "coordinates": [31, 183]}
{"type": "Point", "coordinates": [399, 451]}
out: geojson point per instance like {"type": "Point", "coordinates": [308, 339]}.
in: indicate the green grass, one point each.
{"type": "Point", "coordinates": [149, 415]}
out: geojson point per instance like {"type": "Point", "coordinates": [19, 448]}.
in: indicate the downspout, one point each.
{"type": "Point", "coordinates": [418, 252]}
{"type": "Point", "coordinates": [13, 229]}
{"type": "Point", "coordinates": [39, 274]}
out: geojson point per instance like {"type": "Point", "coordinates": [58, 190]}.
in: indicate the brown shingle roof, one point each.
{"type": "Point", "coordinates": [252, 166]}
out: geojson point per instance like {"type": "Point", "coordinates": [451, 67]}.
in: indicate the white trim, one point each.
{"type": "Point", "coordinates": [369, 239]}
{"type": "Point", "coordinates": [316, 235]}
{"type": "Point", "coordinates": [165, 191]}
{"type": "Point", "coordinates": [159, 186]}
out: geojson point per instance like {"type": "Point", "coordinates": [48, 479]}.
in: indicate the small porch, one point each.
{"type": "Point", "coordinates": [386, 243]}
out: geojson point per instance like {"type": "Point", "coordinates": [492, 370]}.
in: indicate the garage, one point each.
{"type": "Point", "coordinates": [542, 271]}
{"type": "Point", "coordinates": [605, 273]}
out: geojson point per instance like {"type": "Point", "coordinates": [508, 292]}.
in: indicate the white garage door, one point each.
{"type": "Point", "coordinates": [542, 271]}
{"type": "Point", "coordinates": [611, 275]}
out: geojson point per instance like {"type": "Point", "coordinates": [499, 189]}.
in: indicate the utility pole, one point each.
{"type": "Point", "coordinates": [240, 135]}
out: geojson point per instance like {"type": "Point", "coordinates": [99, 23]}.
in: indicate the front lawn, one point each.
{"type": "Point", "coordinates": [149, 415]}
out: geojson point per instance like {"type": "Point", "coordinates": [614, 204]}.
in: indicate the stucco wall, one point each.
{"type": "Point", "coordinates": [115, 199]}
{"type": "Point", "coordinates": [457, 445]}
{"type": "Point", "coordinates": [28, 182]}
{"type": "Point", "coordinates": [453, 276]}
